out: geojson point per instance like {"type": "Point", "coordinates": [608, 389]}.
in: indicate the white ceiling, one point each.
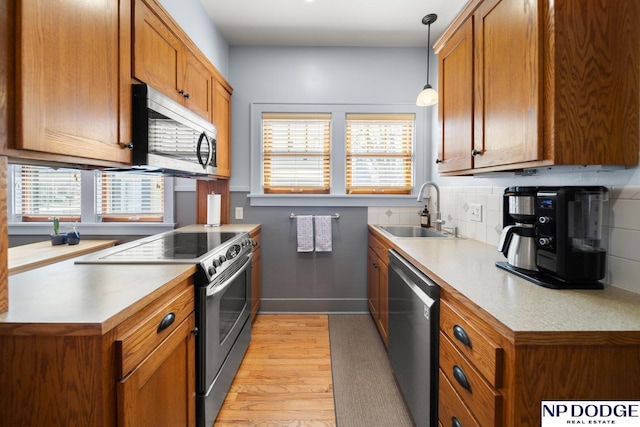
{"type": "Point", "coordinates": [392, 23]}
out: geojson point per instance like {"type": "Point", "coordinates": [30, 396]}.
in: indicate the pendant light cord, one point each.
{"type": "Point", "coordinates": [428, 46]}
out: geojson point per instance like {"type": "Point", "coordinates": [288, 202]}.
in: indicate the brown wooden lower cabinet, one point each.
{"type": "Point", "coordinates": [160, 390]}
{"type": "Point", "coordinates": [256, 275]}
{"type": "Point", "coordinates": [132, 375]}
{"type": "Point", "coordinates": [510, 373]}
{"type": "Point", "coordinates": [377, 287]}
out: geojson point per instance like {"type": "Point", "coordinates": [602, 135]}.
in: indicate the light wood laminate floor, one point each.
{"type": "Point", "coordinates": [285, 378]}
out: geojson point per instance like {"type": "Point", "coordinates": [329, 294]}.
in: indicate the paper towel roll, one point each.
{"type": "Point", "coordinates": [213, 209]}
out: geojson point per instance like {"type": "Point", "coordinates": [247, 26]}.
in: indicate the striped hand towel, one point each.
{"type": "Point", "coordinates": [305, 233]}
{"type": "Point", "coordinates": [323, 233]}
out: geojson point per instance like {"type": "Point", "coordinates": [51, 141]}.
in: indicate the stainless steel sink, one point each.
{"type": "Point", "coordinates": [412, 231]}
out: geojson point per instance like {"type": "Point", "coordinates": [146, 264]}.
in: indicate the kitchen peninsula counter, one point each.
{"type": "Point", "coordinates": [65, 298]}
{"type": "Point", "coordinates": [465, 269]}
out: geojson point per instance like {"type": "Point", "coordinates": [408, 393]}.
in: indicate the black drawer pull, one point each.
{"type": "Point", "coordinates": [455, 422]}
{"type": "Point", "coordinates": [461, 378]}
{"type": "Point", "coordinates": [461, 335]}
{"type": "Point", "coordinates": [166, 321]}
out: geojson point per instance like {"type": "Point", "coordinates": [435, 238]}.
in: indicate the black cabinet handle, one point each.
{"type": "Point", "coordinates": [166, 321]}
{"type": "Point", "coordinates": [455, 422]}
{"type": "Point", "coordinates": [461, 378]}
{"type": "Point", "coordinates": [461, 335]}
{"type": "Point", "coordinates": [438, 161]}
{"type": "Point", "coordinates": [195, 331]}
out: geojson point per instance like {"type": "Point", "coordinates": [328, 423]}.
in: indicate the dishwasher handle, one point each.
{"type": "Point", "coordinates": [410, 282]}
{"type": "Point", "coordinates": [396, 257]}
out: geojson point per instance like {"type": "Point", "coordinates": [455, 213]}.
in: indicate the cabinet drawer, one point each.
{"type": "Point", "coordinates": [483, 353]}
{"type": "Point", "coordinates": [450, 406]}
{"type": "Point", "coordinates": [379, 248]}
{"type": "Point", "coordinates": [479, 396]}
{"type": "Point", "coordinates": [138, 341]}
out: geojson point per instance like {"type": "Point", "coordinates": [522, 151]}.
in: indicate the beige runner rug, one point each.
{"type": "Point", "coordinates": [365, 391]}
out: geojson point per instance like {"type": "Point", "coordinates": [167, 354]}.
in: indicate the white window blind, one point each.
{"type": "Point", "coordinates": [124, 196]}
{"type": "Point", "coordinates": [380, 153]}
{"type": "Point", "coordinates": [42, 193]}
{"type": "Point", "coordinates": [296, 152]}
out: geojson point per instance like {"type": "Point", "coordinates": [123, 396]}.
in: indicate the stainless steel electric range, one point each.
{"type": "Point", "coordinates": [222, 301]}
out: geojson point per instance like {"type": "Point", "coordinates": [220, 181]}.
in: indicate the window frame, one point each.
{"type": "Point", "coordinates": [338, 195]}
{"type": "Point", "coordinates": [324, 156]}
{"type": "Point", "coordinates": [89, 223]}
{"type": "Point", "coordinates": [124, 217]}
{"type": "Point", "coordinates": [407, 157]}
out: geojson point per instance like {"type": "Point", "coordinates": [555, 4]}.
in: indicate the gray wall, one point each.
{"type": "Point", "coordinates": [193, 19]}
{"type": "Point", "coordinates": [316, 282]}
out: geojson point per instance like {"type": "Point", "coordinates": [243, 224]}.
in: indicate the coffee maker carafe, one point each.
{"type": "Point", "coordinates": [518, 239]}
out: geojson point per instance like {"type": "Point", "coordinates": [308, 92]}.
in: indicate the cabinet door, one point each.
{"type": "Point", "coordinates": [255, 283]}
{"type": "Point", "coordinates": [158, 54]}
{"type": "Point", "coordinates": [456, 106]}
{"type": "Point", "coordinates": [507, 83]}
{"type": "Point", "coordinates": [197, 87]}
{"type": "Point", "coordinates": [70, 97]}
{"type": "Point", "coordinates": [160, 391]}
{"type": "Point", "coordinates": [383, 306]}
{"type": "Point", "coordinates": [222, 120]}
{"type": "Point", "coordinates": [373, 285]}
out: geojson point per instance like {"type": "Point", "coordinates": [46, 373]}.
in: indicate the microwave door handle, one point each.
{"type": "Point", "coordinates": [199, 150]}
{"type": "Point", "coordinates": [214, 152]}
{"type": "Point", "coordinates": [211, 157]}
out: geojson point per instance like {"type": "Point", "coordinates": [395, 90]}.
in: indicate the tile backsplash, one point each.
{"type": "Point", "coordinates": [622, 232]}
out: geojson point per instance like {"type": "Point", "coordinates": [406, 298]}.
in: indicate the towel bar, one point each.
{"type": "Point", "coordinates": [294, 216]}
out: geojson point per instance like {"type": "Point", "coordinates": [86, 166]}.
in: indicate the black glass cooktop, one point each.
{"type": "Point", "coordinates": [173, 247]}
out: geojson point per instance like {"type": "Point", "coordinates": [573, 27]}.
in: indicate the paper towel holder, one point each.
{"type": "Point", "coordinates": [213, 210]}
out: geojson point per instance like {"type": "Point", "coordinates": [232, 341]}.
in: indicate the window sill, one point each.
{"type": "Point", "coordinates": [345, 200]}
{"type": "Point", "coordinates": [93, 229]}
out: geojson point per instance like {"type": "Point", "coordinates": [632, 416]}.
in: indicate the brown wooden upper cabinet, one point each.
{"type": "Point", "coordinates": [527, 84]}
{"type": "Point", "coordinates": [166, 59]}
{"type": "Point", "coordinates": [222, 119]}
{"type": "Point", "coordinates": [73, 81]}
{"type": "Point", "coordinates": [161, 60]}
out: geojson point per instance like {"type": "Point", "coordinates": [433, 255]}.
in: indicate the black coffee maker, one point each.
{"type": "Point", "coordinates": [567, 232]}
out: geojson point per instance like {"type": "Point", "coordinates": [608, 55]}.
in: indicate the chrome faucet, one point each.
{"type": "Point", "coordinates": [438, 222]}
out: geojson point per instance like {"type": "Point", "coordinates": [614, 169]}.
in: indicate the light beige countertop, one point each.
{"type": "Point", "coordinates": [465, 268]}
{"type": "Point", "coordinates": [34, 255]}
{"type": "Point", "coordinates": [69, 298]}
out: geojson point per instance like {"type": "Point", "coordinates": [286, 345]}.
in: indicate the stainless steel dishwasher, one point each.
{"type": "Point", "coordinates": [413, 338]}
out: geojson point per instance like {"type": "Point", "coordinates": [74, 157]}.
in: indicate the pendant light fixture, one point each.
{"type": "Point", "coordinates": [428, 96]}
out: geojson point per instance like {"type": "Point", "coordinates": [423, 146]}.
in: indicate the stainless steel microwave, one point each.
{"type": "Point", "coordinates": [169, 138]}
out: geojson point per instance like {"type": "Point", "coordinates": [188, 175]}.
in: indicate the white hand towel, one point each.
{"type": "Point", "coordinates": [323, 233]}
{"type": "Point", "coordinates": [305, 233]}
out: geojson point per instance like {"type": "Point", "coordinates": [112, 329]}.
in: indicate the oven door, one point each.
{"type": "Point", "coordinates": [222, 311]}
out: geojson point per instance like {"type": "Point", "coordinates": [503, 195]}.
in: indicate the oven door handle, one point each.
{"type": "Point", "coordinates": [215, 290]}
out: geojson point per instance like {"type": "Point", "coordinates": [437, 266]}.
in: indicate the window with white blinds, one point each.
{"type": "Point", "coordinates": [124, 196]}
{"type": "Point", "coordinates": [379, 153]}
{"type": "Point", "coordinates": [296, 152]}
{"type": "Point", "coordinates": [42, 193]}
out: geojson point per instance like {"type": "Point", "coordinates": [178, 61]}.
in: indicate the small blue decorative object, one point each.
{"type": "Point", "coordinates": [73, 237]}
{"type": "Point", "coordinates": [58, 239]}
